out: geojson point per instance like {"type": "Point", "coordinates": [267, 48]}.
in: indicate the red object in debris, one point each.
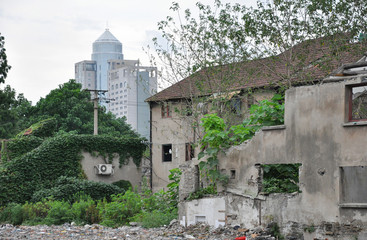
{"type": "Point", "coordinates": [241, 238]}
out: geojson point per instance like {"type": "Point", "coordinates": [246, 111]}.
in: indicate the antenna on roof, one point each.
{"type": "Point", "coordinates": [107, 29]}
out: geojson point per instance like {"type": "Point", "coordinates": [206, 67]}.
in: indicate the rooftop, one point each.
{"type": "Point", "coordinates": [107, 36]}
{"type": "Point", "coordinates": [305, 63]}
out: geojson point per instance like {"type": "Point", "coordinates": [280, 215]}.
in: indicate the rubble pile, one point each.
{"type": "Point", "coordinates": [173, 231]}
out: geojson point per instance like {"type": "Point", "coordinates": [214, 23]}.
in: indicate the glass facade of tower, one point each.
{"type": "Point", "coordinates": [105, 48]}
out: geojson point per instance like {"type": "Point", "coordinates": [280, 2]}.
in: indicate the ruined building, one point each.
{"type": "Point", "coordinates": [324, 138]}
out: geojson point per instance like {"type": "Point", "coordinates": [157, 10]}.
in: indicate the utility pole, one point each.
{"type": "Point", "coordinates": [95, 100]}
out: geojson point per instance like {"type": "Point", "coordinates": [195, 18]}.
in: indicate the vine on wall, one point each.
{"type": "Point", "coordinates": [57, 156]}
{"type": "Point", "coordinates": [219, 136]}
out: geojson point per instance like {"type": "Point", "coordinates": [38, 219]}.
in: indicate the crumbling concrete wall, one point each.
{"type": "Point", "coordinates": [317, 135]}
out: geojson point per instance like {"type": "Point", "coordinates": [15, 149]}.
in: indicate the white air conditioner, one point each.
{"type": "Point", "coordinates": [104, 169]}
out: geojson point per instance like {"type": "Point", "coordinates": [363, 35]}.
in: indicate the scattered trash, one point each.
{"type": "Point", "coordinates": [173, 231]}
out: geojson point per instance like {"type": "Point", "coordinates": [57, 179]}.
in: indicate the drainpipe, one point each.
{"type": "Point", "coordinates": [150, 146]}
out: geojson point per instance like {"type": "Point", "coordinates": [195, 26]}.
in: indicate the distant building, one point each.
{"type": "Point", "coordinates": [128, 83]}
{"type": "Point", "coordinates": [105, 48]}
{"type": "Point", "coordinates": [86, 74]}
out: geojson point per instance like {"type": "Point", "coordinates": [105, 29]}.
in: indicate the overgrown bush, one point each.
{"type": "Point", "coordinates": [19, 146]}
{"type": "Point", "coordinates": [218, 136]}
{"type": "Point", "coordinates": [59, 156]}
{"type": "Point", "coordinates": [12, 213]}
{"type": "Point", "coordinates": [121, 209]}
{"type": "Point", "coordinates": [156, 218]}
{"type": "Point", "coordinates": [66, 187]}
{"type": "Point", "coordinates": [43, 128]}
{"type": "Point", "coordinates": [124, 184]}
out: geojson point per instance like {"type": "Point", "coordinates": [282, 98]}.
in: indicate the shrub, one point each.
{"type": "Point", "coordinates": [58, 214]}
{"type": "Point", "coordinates": [66, 187]}
{"type": "Point", "coordinates": [156, 218]}
{"type": "Point", "coordinates": [34, 213]}
{"type": "Point", "coordinates": [12, 213]}
{"type": "Point", "coordinates": [84, 210]}
{"type": "Point", "coordinates": [121, 209]}
{"type": "Point", "coordinates": [124, 184]}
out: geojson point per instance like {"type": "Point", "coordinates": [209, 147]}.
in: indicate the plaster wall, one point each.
{"type": "Point", "coordinates": [317, 135]}
{"type": "Point", "coordinates": [127, 172]}
{"type": "Point", "coordinates": [177, 130]}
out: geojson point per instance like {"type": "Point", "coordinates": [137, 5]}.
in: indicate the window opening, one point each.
{"type": "Point", "coordinates": [358, 103]}
{"type": "Point", "coordinates": [280, 178]}
{"type": "Point", "coordinates": [167, 152]}
{"type": "Point", "coordinates": [166, 110]}
{"type": "Point", "coordinates": [352, 180]}
{"type": "Point", "coordinates": [236, 105]}
{"type": "Point", "coordinates": [233, 174]}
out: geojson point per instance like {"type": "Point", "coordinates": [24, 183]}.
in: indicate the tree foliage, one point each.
{"type": "Point", "coordinates": [73, 110]}
{"type": "Point", "coordinates": [219, 136]}
{"type": "Point", "coordinates": [4, 67]}
{"type": "Point", "coordinates": [12, 110]}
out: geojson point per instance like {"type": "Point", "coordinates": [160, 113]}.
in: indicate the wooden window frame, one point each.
{"type": "Point", "coordinates": [166, 110]}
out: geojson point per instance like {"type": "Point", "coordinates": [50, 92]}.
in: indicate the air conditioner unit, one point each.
{"type": "Point", "coordinates": [104, 169]}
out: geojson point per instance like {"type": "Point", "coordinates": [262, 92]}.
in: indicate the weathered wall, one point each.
{"type": "Point", "coordinates": [317, 135]}
{"type": "Point", "coordinates": [206, 210]}
{"type": "Point", "coordinates": [127, 172]}
{"type": "Point", "coordinates": [177, 130]}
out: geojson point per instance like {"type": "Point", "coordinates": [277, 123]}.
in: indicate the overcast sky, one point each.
{"type": "Point", "coordinates": [44, 38]}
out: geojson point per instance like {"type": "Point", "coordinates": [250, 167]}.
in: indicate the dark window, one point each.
{"type": "Point", "coordinates": [357, 103]}
{"type": "Point", "coordinates": [353, 183]}
{"type": "Point", "coordinates": [166, 110]}
{"type": "Point", "coordinates": [188, 109]}
{"type": "Point", "coordinates": [233, 174]}
{"type": "Point", "coordinates": [190, 152]}
{"type": "Point", "coordinates": [167, 153]}
{"type": "Point", "coordinates": [236, 105]}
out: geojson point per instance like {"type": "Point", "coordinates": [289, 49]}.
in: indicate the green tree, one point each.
{"type": "Point", "coordinates": [280, 43]}
{"type": "Point", "coordinates": [73, 110]}
{"type": "Point", "coordinates": [13, 112]}
{"type": "Point", "coordinates": [4, 67]}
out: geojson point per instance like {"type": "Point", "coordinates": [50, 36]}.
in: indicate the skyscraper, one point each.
{"type": "Point", "coordinates": [105, 48]}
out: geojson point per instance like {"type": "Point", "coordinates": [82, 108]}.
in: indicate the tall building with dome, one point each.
{"type": "Point", "coordinates": [127, 83]}
{"type": "Point", "coordinates": [105, 48]}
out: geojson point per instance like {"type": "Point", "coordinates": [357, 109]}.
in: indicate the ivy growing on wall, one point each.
{"type": "Point", "coordinates": [57, 156]}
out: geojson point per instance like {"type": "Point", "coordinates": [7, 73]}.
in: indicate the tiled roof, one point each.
{"type": "Point", "coordinates": [312, 61]}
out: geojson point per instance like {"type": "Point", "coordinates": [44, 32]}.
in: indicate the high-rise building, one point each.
{"type": "Point", "coordinates": [127, 83]}
{"type": "Point", "coordinates": [105, 48]}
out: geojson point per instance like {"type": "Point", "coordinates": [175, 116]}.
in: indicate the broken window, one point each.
{"type": "Point", "coordinates": [353, 183]}
{"type": "Point", "coordinates": [280, 178]}
{"type": "Point", "coordinates": [166, 110]}
{"type": "Point", "coordinates": [167, 152]}
{"type": "Point", "coordinates": [357, 102]}
{"type": "Point", "coordinates": [236, 105]}
{"type": "Point", "coordinates": [190, 152]}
